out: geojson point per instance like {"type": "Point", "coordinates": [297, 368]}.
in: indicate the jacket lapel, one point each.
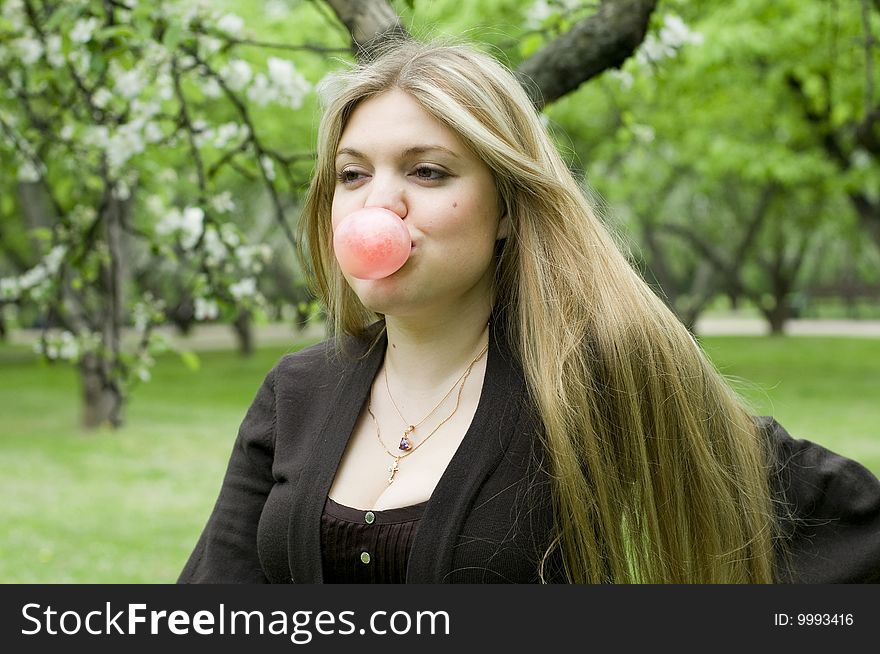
{"type": "Point", "coordinates": [488, 437]}
{"type": "Point", "coordinates": [340, 413]}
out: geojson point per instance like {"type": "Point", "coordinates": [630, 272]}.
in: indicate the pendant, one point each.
{"type": "Point", "coordinates": [393, 468]}
{"type": "Point", "coordinates": [405, 442]}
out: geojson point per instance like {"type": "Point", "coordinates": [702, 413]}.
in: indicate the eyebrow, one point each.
{"type": "Point", "coordinates": [415, 150]}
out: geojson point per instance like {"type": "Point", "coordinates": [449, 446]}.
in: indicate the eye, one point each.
{"type": "Point", "coordinates": [349, 176]}
{"type": "Point", "coordinates": [429, 173]}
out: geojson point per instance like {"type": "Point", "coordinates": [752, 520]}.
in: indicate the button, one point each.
{"type": "Point", "coordinates": [365, 557]}
{"type": "Point", "coordinates": [370, 517]}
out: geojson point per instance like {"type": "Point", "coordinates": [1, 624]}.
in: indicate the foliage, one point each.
{"type": "Point", "coordinates": [138, 125]}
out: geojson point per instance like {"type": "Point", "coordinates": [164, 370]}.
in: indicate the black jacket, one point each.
{"type": "Point", "coordinates": [488, 518]}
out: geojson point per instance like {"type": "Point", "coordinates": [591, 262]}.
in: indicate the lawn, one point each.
{"type": "Point", "coordinates": [127, 507]}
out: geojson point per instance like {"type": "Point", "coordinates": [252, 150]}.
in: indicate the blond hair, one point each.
{"type": "Point", "coordinates": [659, 474]}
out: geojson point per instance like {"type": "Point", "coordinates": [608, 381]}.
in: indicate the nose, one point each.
{"type": "Point", "coordinates": [387, 192]}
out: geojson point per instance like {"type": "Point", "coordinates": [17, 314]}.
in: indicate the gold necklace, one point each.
{"type": "Point", "coordinates": [405, 442]}
{"type": "Point", "coordinates": [394, 467]}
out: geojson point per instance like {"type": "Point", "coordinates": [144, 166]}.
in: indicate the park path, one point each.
{"type": "Point", "coordinates": [739, 326]}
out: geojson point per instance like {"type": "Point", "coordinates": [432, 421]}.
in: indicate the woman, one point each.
{"type": "Point", "coordinates": [514, 404]}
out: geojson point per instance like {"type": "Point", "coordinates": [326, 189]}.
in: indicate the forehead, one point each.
{"type": "Point", "coordinates": [395, 120]}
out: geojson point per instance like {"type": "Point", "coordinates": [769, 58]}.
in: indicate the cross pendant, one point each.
{"type": "Point", "coordinates": [393, 469]}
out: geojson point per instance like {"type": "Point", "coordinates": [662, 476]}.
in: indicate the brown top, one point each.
{"type": "Point", "coordinates": [367, 547]}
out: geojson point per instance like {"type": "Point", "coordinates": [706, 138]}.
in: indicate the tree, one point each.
{"type": "Point", "coordinates": [106, 102]}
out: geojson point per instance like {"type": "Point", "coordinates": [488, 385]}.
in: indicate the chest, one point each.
{"type": "Point", "coordinates": [374, 473]}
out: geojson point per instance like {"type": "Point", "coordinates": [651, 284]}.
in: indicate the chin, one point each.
{"type": "Point", "coordinates": [381, 295]}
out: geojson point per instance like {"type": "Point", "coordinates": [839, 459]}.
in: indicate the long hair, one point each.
{"type": "Point", "coordinates": [659, 473]}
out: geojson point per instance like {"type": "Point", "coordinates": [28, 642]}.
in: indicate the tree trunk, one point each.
{"type": "Point", "coordinates": [777, 316]}
{"type": "Point", "coordinates": [244, 330]}
{"type": "Point", "coordinates": [102, 399]}
{"type": "Point", "coordinates": [370, 23]}
{"type": "Point", "coordinates": [869, 215]}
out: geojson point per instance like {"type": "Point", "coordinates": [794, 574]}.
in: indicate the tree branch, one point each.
{"type": "Point", "coordinates": [369, 22]}
{"type": "Point", "coordinates": [604, 40]}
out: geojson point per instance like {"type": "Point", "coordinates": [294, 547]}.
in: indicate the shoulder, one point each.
{"type": "Point", "coordinates": [816, 472]}
{"type": "Point", "coordinates": [323, 362]}
{"type": "Point", "coordinates": [828, 508]}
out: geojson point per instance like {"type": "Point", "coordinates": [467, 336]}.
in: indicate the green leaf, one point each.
{"type": "Point", "coordinates": [172, 37]}
{"type": "Point", "coordinates": [190, 360]}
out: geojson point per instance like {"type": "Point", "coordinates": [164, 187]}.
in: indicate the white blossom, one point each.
{"type": "Point", "coordinates": [237, 74]}
{"type": "Point", "coordinates": [10, 288]}
{"type": "Point", "coordinates": [673, 35]}
{"type": "Point", "coordinates": [623, 76]}
{"type": "Point", "coordinates": [83, 30]}
{"type": "Point", "coordinates": [29, 50]}
{"type": "Point", "coordinates": [140, 315]}
{"type": "Point", "coordinates": [81, 60]}
{"type": "Point", "coordinates": [261, 91]}
{"type": "Point", "coordinates": [68, 348]}
{"type": "Point", "coordinates": [191, 223]}
{"type": "Point", "coordinates": [292, 86]}
{"type": "Point", "coordinates": [66, 132]}
{"type": "Point", "coordinates": [54, 258]}
{"type": "Point", "coordinates": [102, 97]}
{"type": "Point", "coordinates": [225, 133]}
{"type": "Point", "coordinates": [230, 235]}
{"type": "Point", "coordinates": [223, 203]}
{"type": "Point", "coordinates": [861, 159]}
{"type": "Point", "coordinates": [206, 309]}
{"type": "Point", "coordinates": [541, 10]}
{"type": "Point", "coordinates": [97, 136]}
{"type": "Point", "coordinates": [121, 191]}
{"type": "Point", "coordinates": [676, 33]}
{"type": "Point", "coordinates": [210, 45]}
{"type": "Point", "coordinates": [14, 13]}
{"type": "Point", "coordinates": [153, 132]}
{"type": "Point", "coordinates": [246, 287]}
{"type": "Point", "coordinates": [211, 88]}
{"type": "Point", "coordinates": [53, 50]}
{"type": "Point", "coordinates": [231, 24]}
{"type": "Point", "coordinates": [275, 9]}
{"type": "Point", "coordinates": [33, 277]}
{"type": "Point", "coordinates": [82, 215]}
{"type": "Point", "coordinates": [164, 86]}
{"type": "Point", "coordinates": [143, 111]}
{"type": "Point", "coordinates": [215, 251]}
{"type": "Point", "coordinates": [28, 172]}
{"type": "Point", "coordinates": [124, 143]}
{"type": "Point", "coordinates": [268, 166]}
{"type": "Point", "coordinates": [643, 133]}
{"type": "Point", "coordinates": [170, 221]}
{"type": "Point", "coordinates": [129, 83]}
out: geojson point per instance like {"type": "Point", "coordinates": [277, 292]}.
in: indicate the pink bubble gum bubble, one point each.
{"type": "Point", "coordinates": [371, 243]}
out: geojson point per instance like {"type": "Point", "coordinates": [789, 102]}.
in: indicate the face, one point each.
{"type": "Point", "coordinates": [394, 155]}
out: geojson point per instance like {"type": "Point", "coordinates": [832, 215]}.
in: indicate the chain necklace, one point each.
{"type": "Point", "coordinates": [406, 447]}
{"type": "Point", "coordinates": [405, 442]}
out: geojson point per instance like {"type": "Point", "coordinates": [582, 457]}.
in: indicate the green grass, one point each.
{"type": "Point", "coordinates": [127, 507]}
{"type": "Point", "coordinates": [826, 390]}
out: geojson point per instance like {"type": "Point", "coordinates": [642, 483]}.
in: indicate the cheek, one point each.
{"type": "Point", "coordinates": [336, 212]}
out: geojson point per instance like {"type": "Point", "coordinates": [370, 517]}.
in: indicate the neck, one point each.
{"type": "Point", "coordinates": [427, 355]}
